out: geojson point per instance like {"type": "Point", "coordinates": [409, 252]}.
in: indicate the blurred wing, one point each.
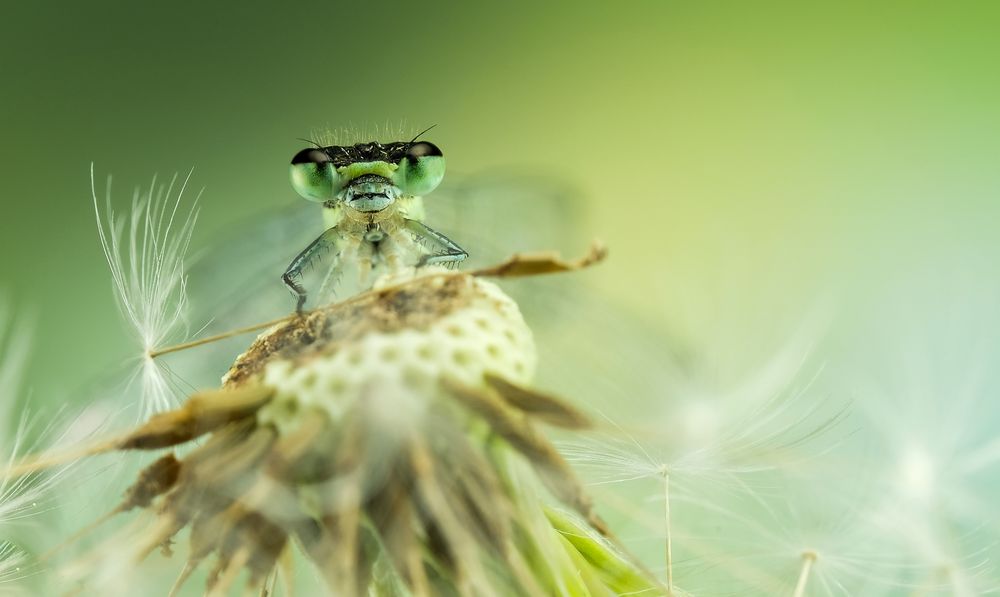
{"type": "Point", "coordinates": [492, 216]}
{"type": "Point", "coordinates": [236, 279]}
{"type": "Point", "coordinates": [576, 326]}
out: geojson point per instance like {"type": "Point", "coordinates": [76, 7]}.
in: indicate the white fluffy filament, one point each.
{"type": "Point", "coordinates": [146, 253]}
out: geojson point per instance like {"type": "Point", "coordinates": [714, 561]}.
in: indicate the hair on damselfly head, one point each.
{"type": "Point", "coordinates": [353, 133]}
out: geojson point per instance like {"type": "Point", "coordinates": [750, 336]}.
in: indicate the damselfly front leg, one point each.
{"type": "Point", "coordinates": [365, 252]}
{"type": "Point", "coordinates": [325, 243]}
{"type": "Point", "coordinates": [442, 249]}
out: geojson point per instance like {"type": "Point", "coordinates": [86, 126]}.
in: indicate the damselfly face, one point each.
{"type": "Point", "coordinates": [373, 212]}
{"type": "Point", "coordinates": [367, 177]}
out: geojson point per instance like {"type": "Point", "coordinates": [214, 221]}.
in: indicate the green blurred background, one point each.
{"type": "Point", "coordinates": [756, 168]}
{"type": "Point", "coordinates": [745, 162]}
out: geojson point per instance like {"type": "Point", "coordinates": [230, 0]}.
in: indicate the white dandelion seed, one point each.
{"type": "Point", "coordinates": [15, 345]}
{"type": "Point", "coordinates": [711, 447]}
{"type": "Point", "coordinates": [27, 495]}
{"type": "Point", "coordinates": [146, 253]}
{"type": "Point", "coordinates": [813, 541]}
{"type": "Point", "coordinates": [937, 490]}
{"type": "Point", "coordinates": [925, 382]}
{"type": "Point", "coordinates": [19, 497]}
{"type": "Point", "coordinates": [13, 561]}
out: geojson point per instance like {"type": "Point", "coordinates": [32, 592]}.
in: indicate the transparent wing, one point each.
{"type": "Point", "coordinates": [494, 215]}
{"type": "Point", "coordinates": [236, 279]}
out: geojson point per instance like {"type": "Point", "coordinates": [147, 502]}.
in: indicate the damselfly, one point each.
{"type": "Point", "coordinates": [372, 208]}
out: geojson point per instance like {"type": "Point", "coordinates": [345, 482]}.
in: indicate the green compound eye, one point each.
{"type": "Point", "coordinates": [421, 170]}
{"type": "Point", "coordinates": [313, 175]}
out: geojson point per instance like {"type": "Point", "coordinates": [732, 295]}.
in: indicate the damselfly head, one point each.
{"type": "Point", "coordinates": [367, 176]}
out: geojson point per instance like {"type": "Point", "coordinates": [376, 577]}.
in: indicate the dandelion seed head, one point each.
{"type": "Point", "coordinates": [397, 426]}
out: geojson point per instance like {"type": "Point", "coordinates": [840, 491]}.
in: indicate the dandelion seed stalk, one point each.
{"type": "Point", "coordinates": [668, 530]}
{"type": "Point", "coordinates": [158, 352]}
{"type": "Point", "coordinates": [809, 558]}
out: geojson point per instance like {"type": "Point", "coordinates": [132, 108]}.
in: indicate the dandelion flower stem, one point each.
{"type": "Point", "coordinates": [808, 558]}
{"type": "Point", "coordinates": [667, 528]}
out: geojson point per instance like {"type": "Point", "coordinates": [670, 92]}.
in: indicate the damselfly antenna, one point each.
{"type": "Point", "coordinates": [422, 132]}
